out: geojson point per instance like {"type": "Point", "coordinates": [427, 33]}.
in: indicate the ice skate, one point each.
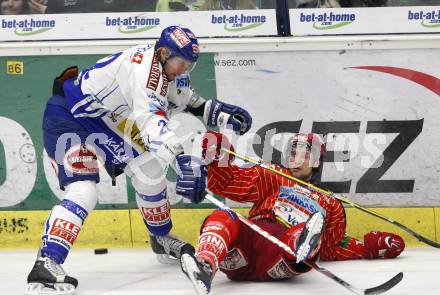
{"type": "Point", "coordinates": [309, 238]}
{"type": "Point", "coordinates": [48, 278]}
{"type": "Point", "coordinates": [199, 273]}
{"type": "Point", "coordinates": [169, 248]}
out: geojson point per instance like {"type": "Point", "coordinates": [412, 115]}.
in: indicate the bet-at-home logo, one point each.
{"type": "Point", "coordinates": [27, 27]}
{"type": "Point", "coordinates": [239, 22]}
{"type": "Point", "coordinates": [429, 19]}
{"type": "Point", "coordinates": [327, 20]}
{"type": "Point", "coordinates": [132, 25]}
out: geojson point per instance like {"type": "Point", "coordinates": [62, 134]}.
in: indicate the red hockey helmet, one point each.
{"type": "Point", "coordinates": [311, 141]}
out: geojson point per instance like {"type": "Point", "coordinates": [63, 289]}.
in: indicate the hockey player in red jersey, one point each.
{"type": "Point", "coordinates": [283, 208]}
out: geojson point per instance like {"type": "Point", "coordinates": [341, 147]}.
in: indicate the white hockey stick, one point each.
{"type": "Point", "coordinates": [374, 290]}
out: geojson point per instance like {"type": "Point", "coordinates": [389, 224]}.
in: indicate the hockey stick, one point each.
{"type": "Point", "coordinates": [340, 198]}
{"type": "Point", "coordinates": [371, 291]}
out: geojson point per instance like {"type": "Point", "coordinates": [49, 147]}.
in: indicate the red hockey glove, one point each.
{"type": "Point", "coordinates": [382, 245]}
{"type": "Point", "coordinates": [212, 143]}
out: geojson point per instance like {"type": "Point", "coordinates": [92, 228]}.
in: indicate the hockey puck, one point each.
{"type": "Point", "coordinates": [101, 251]}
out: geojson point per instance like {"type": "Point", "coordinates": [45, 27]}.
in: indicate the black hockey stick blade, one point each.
{"type": "Point", "coordinates": [385, 286]}
{"type": "Point", "coordinates": [370, 291]}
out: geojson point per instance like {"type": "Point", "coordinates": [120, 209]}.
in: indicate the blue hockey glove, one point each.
{"type": "Point", "coordinates": [191, 179]}
{"type": "Point", "coordinates": [219, 114]}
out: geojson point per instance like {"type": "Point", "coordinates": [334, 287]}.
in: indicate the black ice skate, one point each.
{"type": "Point", "coordinates": [199, 273]}
{"type": "Point", "coordinates": [310, 236]}
{"type": "Point", "coordinates": [48, 278]}
{"type": "Point", "coordinates": [169, 248]}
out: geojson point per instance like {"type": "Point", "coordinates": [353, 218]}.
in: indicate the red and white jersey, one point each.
{"type": "Point", "coordinates": [276, 197]}
{"type": "Point", "coordinates": [130, 86]}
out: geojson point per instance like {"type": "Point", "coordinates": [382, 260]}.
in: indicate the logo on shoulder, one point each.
{"type": "Point", "coordinates": [137, 58]}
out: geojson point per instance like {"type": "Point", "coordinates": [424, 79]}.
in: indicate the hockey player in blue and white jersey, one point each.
{"type": "Point", "coordinates": [116, 114]}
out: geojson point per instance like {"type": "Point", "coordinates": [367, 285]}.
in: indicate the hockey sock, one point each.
{"type": "Point", "coordinates": [155, 210]}
{"type": "Point", "coordinates": [218, 232]}
{"type": "Point", "coordinates": [66, 219]}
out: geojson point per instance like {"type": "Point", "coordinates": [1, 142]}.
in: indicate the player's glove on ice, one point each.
{"type": "Point", "coordinates": [382, 245]}
{"type": "Point", "coordinates": [191, 179]}
{"type": "Point", "coordinates": [220, 114]}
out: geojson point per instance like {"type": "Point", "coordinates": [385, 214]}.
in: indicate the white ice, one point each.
{"type": "Point", "coordinates": [136, 271]}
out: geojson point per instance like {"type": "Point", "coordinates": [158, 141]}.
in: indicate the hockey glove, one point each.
{"type": "Point", "coordinates": [220, 114]}
{"type": "Point", "coordinates": [382, 245]}
{"type": "Point", "coordinates": [212, 144]}
{"type": "Point", "coordinates": [191, 179]}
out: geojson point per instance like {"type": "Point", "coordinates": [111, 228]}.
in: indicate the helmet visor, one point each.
{"type": "Point", "coordinates": [181, 64]}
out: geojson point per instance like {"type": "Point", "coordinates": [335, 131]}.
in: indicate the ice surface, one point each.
{"type": "Point", "coordinates": [136, 272]}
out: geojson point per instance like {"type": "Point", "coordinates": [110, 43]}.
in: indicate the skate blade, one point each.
{"type": "Point", "coordinates": [167, 259]}
{"type": "Point", "coordinates": [314, 230]}
{"type": "Point", "coordinates": [40, 289]}
{"type": "Point", "coordinates": [190, 268]}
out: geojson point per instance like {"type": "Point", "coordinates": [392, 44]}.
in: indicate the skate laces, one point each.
{"type": "Point", "coordinates": [171, 243]}
{"type": "Point", "coordinates": [53, 267]}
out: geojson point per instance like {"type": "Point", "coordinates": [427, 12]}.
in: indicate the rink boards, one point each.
{"type": "Point", "coordinates": [125, 228]}
{"type": "Point", "coordinates": [364, 96]}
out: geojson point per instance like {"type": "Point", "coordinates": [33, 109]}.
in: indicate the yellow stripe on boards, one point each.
{"type": "Point", "coordinates": [125, 228]}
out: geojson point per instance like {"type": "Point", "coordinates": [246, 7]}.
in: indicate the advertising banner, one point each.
{"type": "Point", "coordinates": [365, 20]}
{"type": "Point", "coordinates": [136, 25]}
{"type": "Point", "coordinates": [377, 111]}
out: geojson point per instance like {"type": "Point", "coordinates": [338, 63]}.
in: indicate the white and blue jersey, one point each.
{"type": "Point", "coordinates": [127, 97]}
{"type": "Point", "coordinates": [117, 109]}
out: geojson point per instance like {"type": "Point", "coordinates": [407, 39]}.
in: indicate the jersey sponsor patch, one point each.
{"type": "Point", "coordinates": [162, 114]}
{"type": "Point", "coordinates": [81, 159]}
{"type": "Point", "coordinates": [130, 130]}
{"type": "Point", "coordinates": [182, 81]}
{"type": "Point", "coordinates": [117, 149]}
{"type": "Point", "coordinates": [180, 37]}
{"type": "Point", "coordinates": [289, 213]}
{"type": "Point", "coordinates": [291, 194]}
{"type": "Point", "coordinates": [234, 260]}
{"type": "Point", "coordinates": [65, 230]}
{"type": "Point", "coordinates": [164, 88]}
{"type": "Point", "coordinates": [154, 77]}
{"type": "Point", "coordinates": [160, 100]}
{"type": "Point", "coordinates": [281, 270]}
{"type": "Point", "coordinates": [137, 58]}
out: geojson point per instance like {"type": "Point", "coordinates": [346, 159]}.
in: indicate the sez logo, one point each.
{"type": "Point", "coordinates": [429, 19]}
{"type": "Point", "coordinates": [327, 20]}
{"type": "Point", "coordinates": [239, 22]}
{"type": "Point", "coordinates": [28, 26]}
{"type": "Point", "coordinates": [131, 25]}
